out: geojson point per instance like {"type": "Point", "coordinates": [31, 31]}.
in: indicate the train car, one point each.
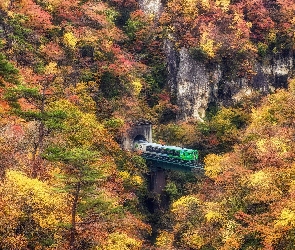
{"type": "Point", "coordinates": [167, 153]}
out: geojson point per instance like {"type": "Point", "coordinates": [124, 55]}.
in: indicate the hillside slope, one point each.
{"type": "Point", "coordinates": [75, 74]}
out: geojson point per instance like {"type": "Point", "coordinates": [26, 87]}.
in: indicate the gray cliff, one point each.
{"type": "Point", "coordinates": [195, 85]}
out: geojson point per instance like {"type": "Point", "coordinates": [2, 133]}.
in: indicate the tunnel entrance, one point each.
{"type": "Point", "coordinates": [137, 131]}
{"type": "Point", "coordinates": [139, 138]}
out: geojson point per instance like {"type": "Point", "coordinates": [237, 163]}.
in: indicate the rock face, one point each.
{"type": "Point", "coordinates": [195, 86]}
{"type": "Point", "coordinates": [153, 7]}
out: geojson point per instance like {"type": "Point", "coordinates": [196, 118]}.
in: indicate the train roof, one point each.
{"type": "Point", "coordinates": [164, 146]}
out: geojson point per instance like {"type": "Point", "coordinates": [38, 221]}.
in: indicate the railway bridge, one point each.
{"type": "Point", "coordinates": [158, 163]}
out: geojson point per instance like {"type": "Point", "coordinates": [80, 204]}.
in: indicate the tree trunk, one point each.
{"type": "Point", "coordinates": [38, 146]}
{"type": "Point", "coordinates": [41, 134]}
{"type": "Point", "coordinates": [73, 216]}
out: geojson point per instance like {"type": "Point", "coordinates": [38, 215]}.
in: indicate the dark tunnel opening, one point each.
{"type": "Point", "coordinates": [139, 138]}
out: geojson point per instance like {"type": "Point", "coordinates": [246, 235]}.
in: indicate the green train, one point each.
{"type": "Point", "coordinates": [154, 150]}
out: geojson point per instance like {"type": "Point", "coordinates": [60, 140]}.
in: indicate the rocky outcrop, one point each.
{"type": "Point", "coordinates": [196, 86]}
{"type": "Point", "coordinates": [153, 7]}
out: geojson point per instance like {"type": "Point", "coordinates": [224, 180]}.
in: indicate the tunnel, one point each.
{"type": "Point", "coordinates": [135, 133]}
{"type": "Point", "coordinates": [139, 138]}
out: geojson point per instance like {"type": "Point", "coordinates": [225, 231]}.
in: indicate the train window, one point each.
{"type": "Point", "coordinates": [189, 154]}
{"type": "Point", "coordinates": [148, 148]}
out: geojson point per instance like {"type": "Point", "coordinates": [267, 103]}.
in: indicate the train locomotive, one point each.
{"type": "Point", "coordinates": [171, 154]}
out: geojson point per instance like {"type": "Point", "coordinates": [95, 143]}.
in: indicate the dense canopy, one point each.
{"type": "Point", "coordinates": [76, 74]}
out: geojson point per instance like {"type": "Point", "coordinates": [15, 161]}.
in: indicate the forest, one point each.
{"type": "Point", "coordinates": [75, 75]}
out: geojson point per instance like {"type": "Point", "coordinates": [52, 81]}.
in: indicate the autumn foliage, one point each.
{"type": "Point", "coordinates": [74, 74]}
{"type": "Point", "coordinates": [245, 200]}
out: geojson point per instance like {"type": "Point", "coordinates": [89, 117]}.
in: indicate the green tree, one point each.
{"type": "Point", "coordinates": [81, 172]}
{"type": "Point", "coordinates": [84, 153]}
{"type": "Point", "coordinates": [30, 102]}
{"type": "Point", "coordinates": [8, 73]}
